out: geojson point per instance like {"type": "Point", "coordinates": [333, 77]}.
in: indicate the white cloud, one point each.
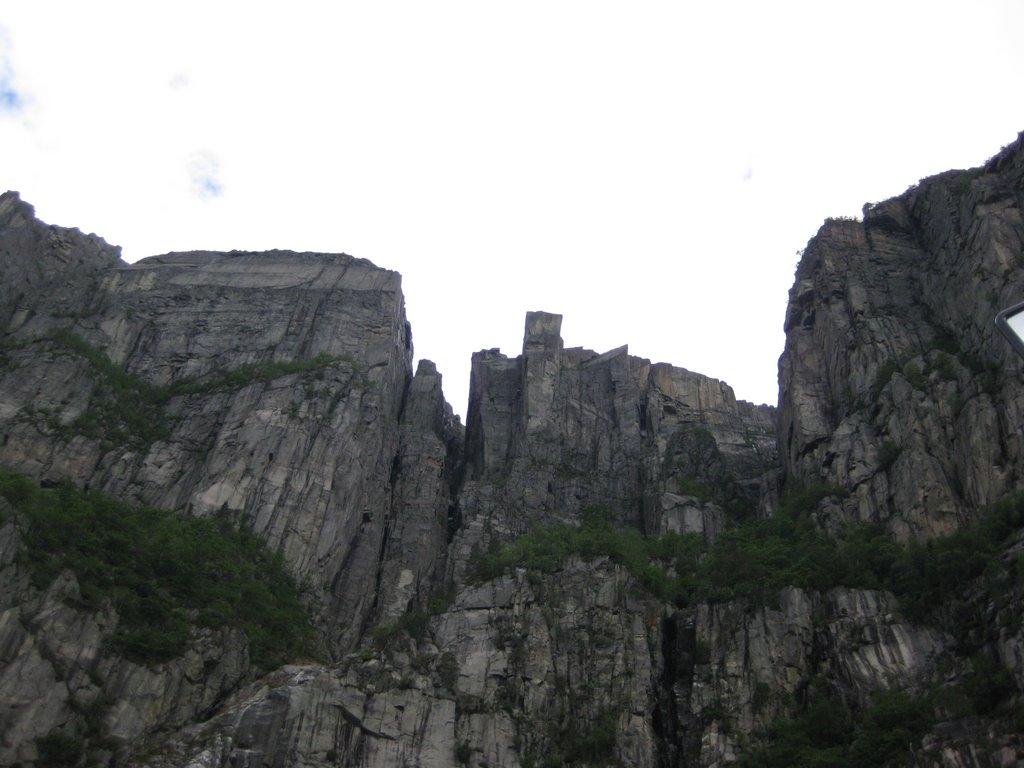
{"type": "Point", "coordinates": [577, 157]}
{"type": "Point", "coordinates": [178, 80]}
{"type": "Point", "coordinates": [11, 99]}
{"type": "Point", "coordinates": [204, 176]}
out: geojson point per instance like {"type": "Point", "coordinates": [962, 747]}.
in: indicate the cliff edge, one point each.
{"type": "Point", "coordinates": [614, 562]}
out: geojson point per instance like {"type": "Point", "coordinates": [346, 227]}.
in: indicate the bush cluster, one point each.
{"type": "Point", "coordinates": [124, 409]}
{"type": "Point", "coordinates": [570, 744]}
{"type": "Point", "coordinates": [161, 571]}
{"type": "Point", "coordinates": [758, 558]}
{"type": "Point", "coordinates": [828, 735]}
{"type": "Point", "coordinates": [545, 549]}
{"type": "Point", "coordinates": [243, 375]}
{"type": "Point", "coordinates": [127, 410]}
{"type": "Point", "coordinates": [57, 749]}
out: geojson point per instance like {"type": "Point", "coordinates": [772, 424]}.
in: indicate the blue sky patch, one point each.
{"type": "Point", "coordinates": [11, 99]}
{"type": "Point", "coordinates": [207, 186]}
{"type": "Point", "coordinates": [204, 176]}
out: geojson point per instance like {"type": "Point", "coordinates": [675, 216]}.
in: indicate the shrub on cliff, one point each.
{"type": "Point", "coordinates": [756, 559]}
{"type": "Point", "coordinates": [161, 571]}
{"type": "Point", "coordinates": [826, 733]}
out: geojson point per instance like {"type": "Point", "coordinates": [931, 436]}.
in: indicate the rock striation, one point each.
{"type": "Point", "coordinates": [275, 392]}
{"type": "Point", "coordinates": [277, 380]}
{"type": "Point", "coordinates": [894, 382]}
{"type": "Point", "coordinates": [555, 430]}
{"type": "Point", "coordinates": [46, 266]}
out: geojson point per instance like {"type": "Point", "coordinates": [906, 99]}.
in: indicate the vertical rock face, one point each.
{"type": "Point", "coordinates": [555, 430]}
{"type": "Point", "coordinates": [43, 264]}
{"type": "Point", "coordinates": [275, 390]}
{"type": "Point", "coordinates": [514, 673]}
{"type": "Point", "coordinates": [267, 386]}
{"type": "Point", "coordinates": [57, 666]}
{"type": "Point", "coordinates": [894, 382]}
{"type": "Point", "coordinates": [423, 474]}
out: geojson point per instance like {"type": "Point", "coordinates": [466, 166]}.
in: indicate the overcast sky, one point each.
{"type": "Point", "coordinates": [647, 169]}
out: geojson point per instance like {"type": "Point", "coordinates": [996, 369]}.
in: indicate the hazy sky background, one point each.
{"type": "Point", "coordinates": [647, 169]}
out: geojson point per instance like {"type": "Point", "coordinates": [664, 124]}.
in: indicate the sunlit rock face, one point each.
{"type": "Point", "coordinates": [302, 454]}
{"type": "Point", "coordinates": [276, 391]}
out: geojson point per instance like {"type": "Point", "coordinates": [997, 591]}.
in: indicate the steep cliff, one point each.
{"type": "Point", "coordinates": [269, 386]}
{"type": "Point", "coordinates": [614, 563]}
{"type": "Point", "coordinates": [896, 388]}
{"type": "Point", "coordinates": [894, 383]}
{"type": "Point", "coordinates": [555, 430]}
{"type": "Point", "coordinates": [273, 389]}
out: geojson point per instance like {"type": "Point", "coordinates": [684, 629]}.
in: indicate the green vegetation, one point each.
{"type": "Point", "coordinates": [960, 181]}
{"type": "Point", "coordinates": [761, 557]}
{"type": "Point", "coordinates": [826, 734]}
{"type": "Point", "coordinates": [161, 571]}
{"type": "Point", "coordinates": [884, 375]}
{"type": "Point", "coordinates": [888, 454]}
{"type": "Point", "coordinates": [413, 624]}
{"type": "Point", "coordinates": [568, 744]}
{"type": "Point", "coordinates": [126, 410]}
{"type": "Point", "coordinates": [58, 749]}
{"type": "Point", "coordinates": [946, 342]}
{"type": "Point", "coordinates": [925, 575]}
{"type": "Point", "coordinates": [989, 686]}
{"type": "Point", "coordinates": [985, 373]}
{"type": "Point", "coordinates": [244, 375]}
{"type": "Point", "coordinates": [693, 486]}
{"type": "Point", "coordinates": [945, 365]}
{"type": "Point", "coordinates": [939, 359]}
{"type": "Point", "coordinates": [595, 745]}
{"type": "Point", "coordinates": [757, 559]}
{"type": "Point", "coordinates": [448, 670]}
{"type": "Point", "coordinates": [914, 375]}
{"type": "Point", "coordinates": [544, 549]}
{"type": "Point", "coordinates": [754, 560]}
{"type": "Point", "coordinates": [912, 372]}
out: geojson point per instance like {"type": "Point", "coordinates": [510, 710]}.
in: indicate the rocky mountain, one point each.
{"type": "Point", "coordinates": [613, 563]}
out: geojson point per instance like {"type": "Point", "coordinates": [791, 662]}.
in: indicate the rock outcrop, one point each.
{"type": "Point", "coordinates": [44, 266]}
{"type": "Point", "coordinates": [894, 383]}
{"type": "Point", "coordinates": [270, 386]}
{"type": "Point", "coordinates": [58, 667]}
{"type": "Point", "coordinates": [556, 430]}
{"type": "Point", "coordinates": [275, 392]}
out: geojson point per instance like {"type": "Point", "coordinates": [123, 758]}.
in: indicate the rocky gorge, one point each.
{"type": "Point", "coordinates": [613, 562]}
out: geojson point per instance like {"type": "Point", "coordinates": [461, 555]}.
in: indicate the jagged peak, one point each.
{"type": "Point", "coordinates": [1012, 153]}
{"type": "Point", "coordinates": [13, 207]}
{"type": "Point", "coordinates": [426, 368]}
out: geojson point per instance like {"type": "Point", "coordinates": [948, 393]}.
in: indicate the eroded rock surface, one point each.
{"type": "Point", "coordinates": [276, 390]}
{"type": "Point", "coordinates": [554, 431]}
{"type": "Point", "coordinates": [894, 381]}
{"type": "Point", "coordinates": [61, 674]}
{"type": "Point", "coordinates": [291, 373]}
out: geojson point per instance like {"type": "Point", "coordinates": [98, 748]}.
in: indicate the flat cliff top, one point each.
{"type": "Point", "coordinates": [272, 269]}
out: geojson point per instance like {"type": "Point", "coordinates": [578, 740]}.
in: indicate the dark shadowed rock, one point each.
{"type": "Point", "coordinates": [894, 382]}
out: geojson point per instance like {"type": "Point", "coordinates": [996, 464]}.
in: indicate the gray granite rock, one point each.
{"type": "Point", "coordinates": [277, 389]}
